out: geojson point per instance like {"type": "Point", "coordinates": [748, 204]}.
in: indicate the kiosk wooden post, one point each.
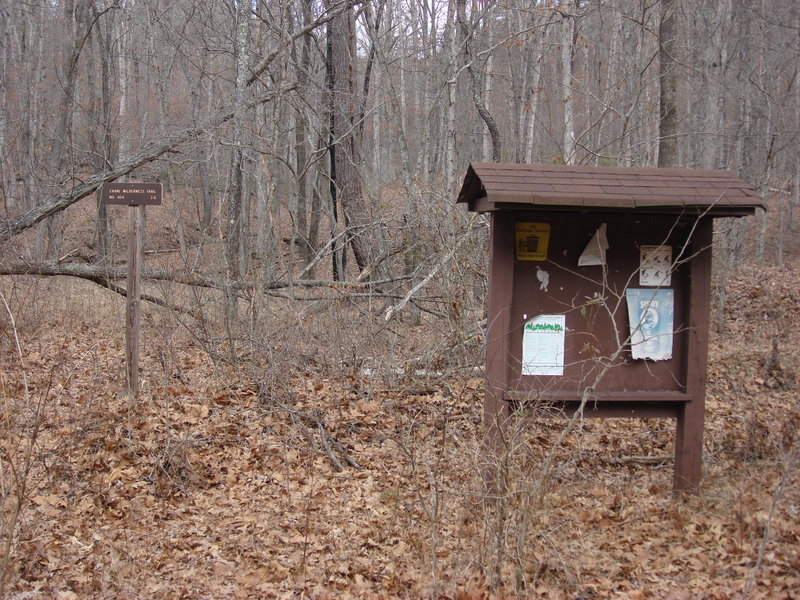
{"type": "Point", "coordinates": [579, 260]}
{"type": "Point", "coordinates": [135, 196]}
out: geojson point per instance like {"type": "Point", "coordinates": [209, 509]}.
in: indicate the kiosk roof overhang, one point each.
{"type": "Point", "coordinates": [490, 187]}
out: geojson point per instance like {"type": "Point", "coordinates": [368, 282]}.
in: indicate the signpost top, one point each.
{"type": "Point", "coordinates": [132, 194]}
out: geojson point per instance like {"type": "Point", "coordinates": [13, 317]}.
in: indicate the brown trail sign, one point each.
{"type": "Point", "coordinates": [131, 194]}
{"type": "Point", "coordinates": [135, 196]}
{"type": "Point", "coordinates": [599, 292]}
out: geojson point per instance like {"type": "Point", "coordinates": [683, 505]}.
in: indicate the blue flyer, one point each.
{"type": "Point", "coordinates": [650, 315]}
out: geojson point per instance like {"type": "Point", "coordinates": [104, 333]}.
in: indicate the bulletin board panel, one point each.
{"type": "Point", "coordinates": [541, 294]}
{"type": "Point", "coordinates": [591, 303]}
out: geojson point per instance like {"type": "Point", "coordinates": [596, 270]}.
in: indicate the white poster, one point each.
{"type": "Point", "coordinates": [655, 265]}
{"type": "Point", "coordinates": [543, 345]}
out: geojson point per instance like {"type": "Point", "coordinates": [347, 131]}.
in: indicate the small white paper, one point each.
{"type": "Point", "coordinates": [595, 252]}
{"type": "Point", "coordinates": [655, 265]}
{"type": "Point", "coordinates": [543, 277]}
{"type": "Point", "coordinates": [543, 345]}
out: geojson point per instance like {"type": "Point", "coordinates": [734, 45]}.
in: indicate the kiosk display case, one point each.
{"type": "Point", "coordinates": [599, 291]}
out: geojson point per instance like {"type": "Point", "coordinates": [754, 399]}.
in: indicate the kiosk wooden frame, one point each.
{"type": "Point", "coordinates": [543, 220]}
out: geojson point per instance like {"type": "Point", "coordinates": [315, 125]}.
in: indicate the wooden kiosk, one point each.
{"type": "Point", "coordinates": [599, 291]}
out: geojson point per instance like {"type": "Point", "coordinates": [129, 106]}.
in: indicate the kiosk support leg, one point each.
{"type": "Point", "coordinates": [496, 411]}
{"type": "Point", "coordinates": [496, 414]}
{"type": "Point", "coordinates": [689, 448]}
{"type": "Point", "coordinates": [689, 435]}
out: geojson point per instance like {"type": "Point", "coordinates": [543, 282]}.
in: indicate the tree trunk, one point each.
{"type": "Point", "coordinates": [534, 74]}
{"type": "Point", "coordinates": [106, 153]}
{"type": "Point", "coordinates": [346, 177]}
{"type": "Point", "coordinates": [338, 251]}
{"type": "Point", "coordinates": [201, 151]}
{"type": "Point", "coordinates": [449, 133]}
{"type": "Point", "coordinates": [234, 242]}
{"type": "Point", "coordinates": [467, 35]}
{"type": "Point", "coordinates": [568, 98]}
{"type": "Point", "coordinates": [668, 78]}
{"type": "Point", "coordinates": [300, 233]}
{"type": "Point", "coordinates": [76, 28]}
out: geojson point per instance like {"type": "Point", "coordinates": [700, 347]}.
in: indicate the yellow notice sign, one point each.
{"type": "Point", "coordinates": [531, 241]}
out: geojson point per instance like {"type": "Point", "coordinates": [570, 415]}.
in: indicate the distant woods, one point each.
{"type": "Point", "coordinates": [324, 139]}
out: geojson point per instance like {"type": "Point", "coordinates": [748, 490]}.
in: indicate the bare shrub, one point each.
{"type": "Point", "coordinates": [22, 415]}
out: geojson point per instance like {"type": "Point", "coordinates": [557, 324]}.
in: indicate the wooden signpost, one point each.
{"type": "Point", "coordinates": [135, 196]}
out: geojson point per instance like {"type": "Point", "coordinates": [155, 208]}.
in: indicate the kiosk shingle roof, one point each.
{"type": "Point", "coordinates": [722, 193]}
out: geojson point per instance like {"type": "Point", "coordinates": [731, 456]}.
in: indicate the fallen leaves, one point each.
{"type": "Point", "coordinates": [210, 486]}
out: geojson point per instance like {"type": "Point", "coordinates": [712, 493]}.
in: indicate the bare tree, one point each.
{"type": "Point", "coordinates": [668, 78]}
{"type": "Point", "coordinates": [568, 38]}
{"type": "Point", "coordinates": [415, 90]}
{"type": "Point", "coordinates": [346, 160]}
{"type": "Point", "coordinates": [469, 28]}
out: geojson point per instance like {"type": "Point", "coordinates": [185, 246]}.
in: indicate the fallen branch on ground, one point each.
{"type": "Point", "coordinates": [97, 272]}
{"type": "Point", "coordinates": [640, 460]}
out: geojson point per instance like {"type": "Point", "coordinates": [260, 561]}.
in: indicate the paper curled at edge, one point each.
{"type": "Point", "coordinates": [595, 251]}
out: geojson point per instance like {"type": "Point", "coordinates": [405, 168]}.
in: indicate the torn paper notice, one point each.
{"type": "Point", "coordinates": [655, 265]}
{"type": "Point", "coordinates": [543, 277]}
{"type": "Point", "coordinates": [543, 345]}
{"type": "Point", "coordinates": [650, 314]}
{"type": "Point", "coordinates": [595, 252]}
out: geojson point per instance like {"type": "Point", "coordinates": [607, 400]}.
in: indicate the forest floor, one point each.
{"type": "Point", "coordinates": [211, 486]}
